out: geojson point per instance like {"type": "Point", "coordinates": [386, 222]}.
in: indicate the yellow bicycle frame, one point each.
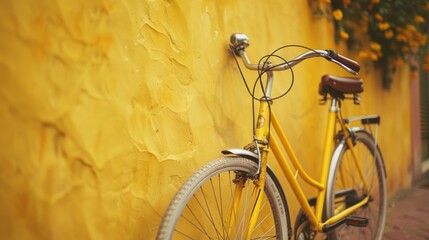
{"type": "Point", "coordinates": [263, 134]}
{"type": "Point", "coordinates": [266, 142]}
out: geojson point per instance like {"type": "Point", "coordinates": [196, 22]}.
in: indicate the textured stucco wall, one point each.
{"type": "Point", "coordinates": [108, 106]}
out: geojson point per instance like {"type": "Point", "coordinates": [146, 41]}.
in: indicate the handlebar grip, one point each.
{"type": "Point", "coordinates": [352, 64]}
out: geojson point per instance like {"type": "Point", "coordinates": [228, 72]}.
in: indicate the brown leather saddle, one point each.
{"type": "Point", "coordinates": [338, 86]}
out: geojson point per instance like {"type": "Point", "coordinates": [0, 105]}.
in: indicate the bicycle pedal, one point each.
{"type": "Point", "coordinates": [356, 221]}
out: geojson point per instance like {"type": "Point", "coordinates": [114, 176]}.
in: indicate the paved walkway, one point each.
{"type": "Point", "coordinates": [408, 214]}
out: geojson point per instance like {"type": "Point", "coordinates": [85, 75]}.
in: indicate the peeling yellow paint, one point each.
{"type": "Point", "coordinates": [108, 106]}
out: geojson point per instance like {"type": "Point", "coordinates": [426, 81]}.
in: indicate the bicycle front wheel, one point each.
{"type": "Point", "coordinates": [345, 187]}
{"type": "Point", "coordinates": [202, 208]}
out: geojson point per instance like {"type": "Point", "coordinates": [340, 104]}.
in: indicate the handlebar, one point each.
{"type": "Point", "coordinates": [240, 41]}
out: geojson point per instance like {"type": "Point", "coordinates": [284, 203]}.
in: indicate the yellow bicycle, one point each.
{"type": "Point", "coordinates": [238, 196]}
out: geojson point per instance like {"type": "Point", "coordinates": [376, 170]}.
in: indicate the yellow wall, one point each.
{"type": "Point", "coordinates": [108, 106]}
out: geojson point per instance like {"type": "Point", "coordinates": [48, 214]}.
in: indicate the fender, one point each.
{"type": "Point", "coordinates": [242, 153]}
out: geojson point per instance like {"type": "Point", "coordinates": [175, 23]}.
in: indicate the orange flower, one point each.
{"type": "Point", "coordinates": [409, 34]}
{"type": "Point", "coordinates": [373, 56]}
{"type": "Point", "coordinates": [419, 19]}
{"type": "Point", "coordinates": [423, 40]}
{"type": "Point", "coordinates": [383, 26]}
{"type": "Point", "coordinates": [347, 2]}
{"type": "Point", "coordinates": [325, 1]}
{"type": "Point", "coordinates": [414, 44]}
{"type": "Point", "coordinates": [401, 38]}
{"type": "Point", "coordinates": [344, 35]}
{"type": "Point", "coordinates": [388, 34]}
{"type": "Point", "coordinates": [375, 1]}
{"type": "Point", "coordinates": [375, 46]}
{"type": "Point", "coordinates": [338, 14]}
{"type": "Point", "coordinates": [378, 17]}
{"type": "Point", "coordinates": [363, 54]}
{"type": "Point", "coordinates": [411, 27]}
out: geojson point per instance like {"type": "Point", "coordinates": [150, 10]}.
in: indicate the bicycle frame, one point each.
{"type": "Point", "coordinates": [264, 136]}
{"type": "Point", "coordinates": [239, 196]}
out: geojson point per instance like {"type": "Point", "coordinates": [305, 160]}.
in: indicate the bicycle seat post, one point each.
{"type": "Point", "coordinates": [334, 107]}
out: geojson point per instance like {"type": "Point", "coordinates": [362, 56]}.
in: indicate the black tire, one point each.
{"type": "Point", "coordinates": [343, 175]}
{"type": "Point", "coordinates": [200, 208]}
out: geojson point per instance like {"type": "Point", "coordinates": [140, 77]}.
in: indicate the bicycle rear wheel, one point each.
{"type": "Point", "coordinates": [344, 178]}
{"type": "Point", "coordinates": [202, 207]}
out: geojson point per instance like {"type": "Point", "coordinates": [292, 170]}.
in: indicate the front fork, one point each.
{"type": "Point", "coordinates": [262, 132]}
{"type": "Point", "coordinates": [259, 182]}
{"type": "Point", "coordinates": [259, 193]}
